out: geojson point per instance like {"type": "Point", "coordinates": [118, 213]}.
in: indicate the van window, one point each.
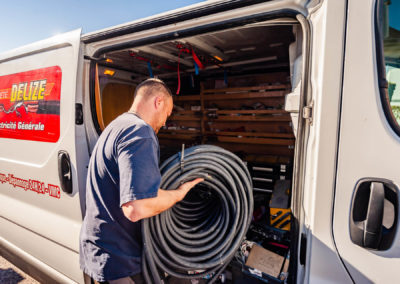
{"type": "Point", "coordinates": [390, 32]}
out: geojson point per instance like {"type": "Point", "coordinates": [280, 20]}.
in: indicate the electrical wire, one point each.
{"type": "Point", "coordinates": [198, 237]}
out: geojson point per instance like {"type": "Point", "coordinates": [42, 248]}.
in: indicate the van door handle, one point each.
{"type": "Point", "coordinates": [373, 224]}
{"type": "Point", "coordinates": [64, 171]}
{"type": "Point", "coordinates": [374, 216]}
{"type": "Point", "coordinates": [367, 214]}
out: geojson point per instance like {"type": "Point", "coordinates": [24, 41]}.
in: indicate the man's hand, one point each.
{"type": "Point", "coordinates": [143, 208]}
{"type": "Point", "coordinates": [184, 188]}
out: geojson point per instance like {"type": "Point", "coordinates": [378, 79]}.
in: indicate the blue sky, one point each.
{"type": "Point", "coordinates": [26, 21]}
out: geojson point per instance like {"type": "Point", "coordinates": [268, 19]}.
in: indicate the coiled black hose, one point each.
{"type": "Point", "coordinates": [199, 235]}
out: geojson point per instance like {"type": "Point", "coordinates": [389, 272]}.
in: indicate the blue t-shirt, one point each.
{"type": "Point", "coordinates": [123, 167]}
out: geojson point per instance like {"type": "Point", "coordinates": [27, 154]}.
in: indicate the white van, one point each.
{"type": "Point", "coordinates": [296, 88]}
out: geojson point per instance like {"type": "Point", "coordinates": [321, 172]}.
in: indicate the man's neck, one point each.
{"type": "Point", "coordinates": [143, 115]}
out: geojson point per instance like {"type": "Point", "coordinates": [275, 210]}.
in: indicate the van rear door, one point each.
{"type": "Point", "coordinates": [39, 133]}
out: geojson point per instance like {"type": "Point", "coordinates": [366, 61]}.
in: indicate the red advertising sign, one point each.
{"type": "Point", "coordinates": [30, 105]}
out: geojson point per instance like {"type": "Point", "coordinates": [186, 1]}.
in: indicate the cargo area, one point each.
{"type": "Point", "coordinates": [239, 89]}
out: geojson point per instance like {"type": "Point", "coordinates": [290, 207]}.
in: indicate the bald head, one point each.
{"type": "Point", "coordinates": [153, 102]}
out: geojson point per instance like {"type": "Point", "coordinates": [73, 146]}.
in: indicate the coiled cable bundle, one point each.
{"type": "Point", "coordinates": [199, 235]}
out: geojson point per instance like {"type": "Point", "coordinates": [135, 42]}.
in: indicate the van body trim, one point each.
{"type": "Point", "coordinates": [42, 236]}
{"type": "Point", "coordinates": [49, 48]}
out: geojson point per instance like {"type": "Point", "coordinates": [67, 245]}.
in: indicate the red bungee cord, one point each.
{"type": "Point", "coordinates": [197, 61]}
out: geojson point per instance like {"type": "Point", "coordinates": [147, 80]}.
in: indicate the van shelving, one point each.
{"type": "Point", "coordinates": [230, 106]}
{"type": "Point", "coordinates": [208, 117]}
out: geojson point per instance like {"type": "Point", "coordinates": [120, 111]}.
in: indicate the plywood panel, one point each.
{"type": "Point", "coordinates": [116, 99]}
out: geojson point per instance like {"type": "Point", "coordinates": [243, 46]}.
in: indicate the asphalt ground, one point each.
{"type": "Point", "coordinates": [10, 274]}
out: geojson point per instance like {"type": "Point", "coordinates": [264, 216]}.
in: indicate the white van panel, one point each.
{"type": "Point", "coordinates": [36, 219]}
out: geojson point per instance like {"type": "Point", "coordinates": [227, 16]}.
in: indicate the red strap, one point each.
{"type": "Point", "coordinates": [278, 245]}
{"type": "Point", "coordinates": [139, 57]}
{"type": "Point", "coordinates": [181, 47]}
{"type": "Point", "coordinates": [179, 75]}
{"type": "Point", "coordinates": [197, 60]}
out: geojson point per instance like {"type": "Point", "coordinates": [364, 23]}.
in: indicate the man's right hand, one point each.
{"type": "Point", "coordinates": [143, 208]}
{"type": "Point", "coordinates": [184, 188]}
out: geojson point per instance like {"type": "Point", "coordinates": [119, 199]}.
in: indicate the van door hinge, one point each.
{"type": "Point", "coordinates": [308, 112]}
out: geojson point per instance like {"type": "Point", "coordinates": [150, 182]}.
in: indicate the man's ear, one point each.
{"type": "Point", "coordinates": [158, 101]}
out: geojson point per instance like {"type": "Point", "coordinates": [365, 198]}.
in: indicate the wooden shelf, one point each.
{"type": "Point", "coordinates": [252, 134]}
{"type": "Point", "coordinates": [249, 115]}
{"type": "Point", "coordinates": [254, 88]}
{"type": "Point", "coordinates": [285, 118]}
{"type": "Point", "coordinates": [250, 111]}
{"type": "Point", "coordinates": [233, 96]}
{"type": "Point", "coordinates": [183, 112]}
{"type": "Point", "coordinates": [177, 136]}
{"type": "Point", "coordinates": [255, 149]}
{"type": "Point", "coordinates": [272, 91]}
{"type": "Point", "coordinates": [246, 95]}
{"type": "Point", "coordinates": [184, 117]}
{"type": "Point", "coordinates": [181, 98]}
{"type": "Point", "coordinates": [179, 131]}
{"type": "Point", "coordinates": [263, 141]}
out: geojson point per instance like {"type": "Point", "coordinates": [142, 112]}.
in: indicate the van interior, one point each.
{"type": "Point", "coordinates": [239, 89]}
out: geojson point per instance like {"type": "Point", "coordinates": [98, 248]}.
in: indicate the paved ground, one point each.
{"type": "Point", "coordinates": [10, 274]}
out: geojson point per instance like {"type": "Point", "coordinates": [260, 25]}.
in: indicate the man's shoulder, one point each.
{"type": "Point", "coordinates": [130, 127]}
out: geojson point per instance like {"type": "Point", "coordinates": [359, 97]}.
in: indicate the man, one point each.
{"type": "Point", "coordinates": [123, 188]}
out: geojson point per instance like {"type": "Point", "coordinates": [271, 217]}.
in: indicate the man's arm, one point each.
{"type": "Point", "coordinates": [139, 209]}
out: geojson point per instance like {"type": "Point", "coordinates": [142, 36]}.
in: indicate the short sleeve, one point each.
{"type": "Point", "coordinates": [139, 173]}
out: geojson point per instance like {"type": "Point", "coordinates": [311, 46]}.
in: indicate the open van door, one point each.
{"type": "Point", "coordinates": [39, 193]}
{"type": "Point", "coordinates": [365, 225]}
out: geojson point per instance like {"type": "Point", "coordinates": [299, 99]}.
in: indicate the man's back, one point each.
{"type": "Point", "coordinates": [123, 167]}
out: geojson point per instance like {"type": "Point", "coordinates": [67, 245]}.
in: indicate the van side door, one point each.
{"type": "Point", "coordinates": [365, 225]}
{"type": "Point", "coordinates": [41, 135]}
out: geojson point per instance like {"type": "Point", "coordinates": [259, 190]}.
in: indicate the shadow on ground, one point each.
{"type": "Point", "coordinates": [10, 276]}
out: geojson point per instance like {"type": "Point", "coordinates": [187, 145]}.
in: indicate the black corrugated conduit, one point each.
{"type": "Point", "coordinates": [199, 235]}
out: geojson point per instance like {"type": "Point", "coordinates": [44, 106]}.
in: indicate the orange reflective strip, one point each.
{"type": "Point", "coordinates": [99, 110]}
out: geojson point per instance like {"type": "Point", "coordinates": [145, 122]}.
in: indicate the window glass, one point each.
{"type": "Point", "coordinates": [391, 50]}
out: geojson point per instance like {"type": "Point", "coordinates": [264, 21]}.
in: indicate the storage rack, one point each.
{"type": "Point", "coordinates": [219, 117]}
